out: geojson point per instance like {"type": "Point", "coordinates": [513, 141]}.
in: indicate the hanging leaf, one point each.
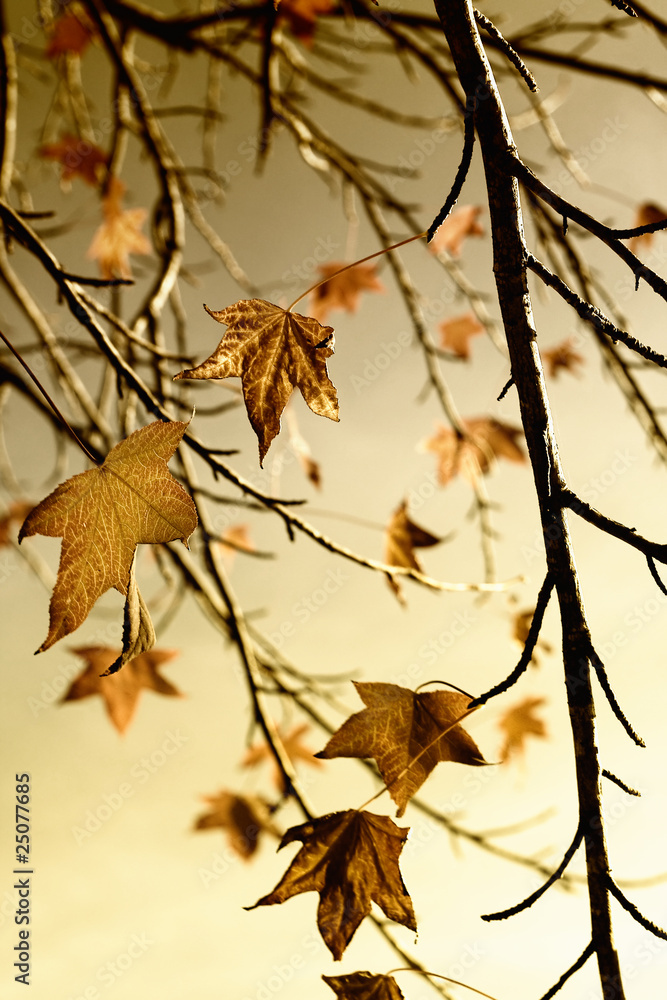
{"type": "Point", "coordinates": [402, 536]}
{"type": "Point", "coordinates": [71, 32]}
{"type": "Point", "coordinates": [244, 817]}
{"type": "Point", "coordinates": [457, 332]}
{"type": "Point", "coordinates": [119, 235]}
{"type": "Point", "coordinates": [351, 859]}
{"type": "Point", "coordinates": [486, 440]}
{"type": "Point", "coordinates": [518, 723]}
{"type": "Point", "coordinates": [343, 291]}
{"type": "Point", "coordinates": [457, 227]}
{"type": "Point", "coordinates": [364, 986]}
{"type": "Point", "coordinates": [78, 158]}
{"type": "Point", "coordinates": [273, 351]}
{"type": "Point", "coordinates": [407, 733]}
{"type": "Point", "coordinates": [294, 747]}
{"type": "Point", "coordinates": [120, 691]}
{"type": "Point", "coordinates": [647, 214]}
{"type": "Point", "coordinates": [103, 514]}
{"type": "Point", "coordinates": [562, 357]}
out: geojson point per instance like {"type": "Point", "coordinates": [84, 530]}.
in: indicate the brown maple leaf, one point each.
{"type": "Point", "coordinates": [364, 986]}
{"type": "Point", "coordinates": [18, 510]}
{"type": "Point", "coordinates": [103, 514]}
{"type": "Point", "coordinates": [402, 536]}
{"type": "Point", "coordinates": [521, 623]}
{"type": "Point", "coordinates": [301, 16]}
{"type": "Point", "coordinates": [343, 291]}
{"type": "Point", "coordinates": [71, 32]}
{"type": "Point", "coordinates": [562, 357]}
{"type": "Point", "coordinates": [455, 229]}
{"type": "Point", "coordinates": [78, 158]}
{"type": "Point", "coordinates": [518, 723]}
{"type": "Point", "coordinates": [244, 817]}
{"type": "Point", "coordinates": [351, 859]}
{"type": "Point", "coordinates": [120, 690]}
{"type": "Point", "coordinates": [294, 747]}
{"type": "Point", "coordinates": [647, 213]}
{"type": "Point", "coordinates": [407, 733]}
{"type": "Point", "coordinates": [457, 332]}
{"type": "Point", "coordinates": [119, 235]}
{"type": "Point", "coordinates": [475, 454]}
{"type": "Point", "coordinates": [273, 351]}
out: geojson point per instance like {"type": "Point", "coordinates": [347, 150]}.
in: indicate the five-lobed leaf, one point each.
{"type": "Point", "coordinates": [364, 986]}
{"type": "Point", "coordinates": [273, 351]}
{"type": "Point", "coordinates": [103, 514]}
{"type": "Point", "coordinates": [475, 454]}
{"type": "Point", "coordinates": [343, 287]}
{"type": "Point", "coordinates": [519, 722]}
{"type": "Point", "coordinates": [351, 859]}
{"type": "Point", "coordinates": [244, 817]}
{"type": "Point", "coordinates": [407, 733]}
{"type": "Point", "coordinates": [402, 536]}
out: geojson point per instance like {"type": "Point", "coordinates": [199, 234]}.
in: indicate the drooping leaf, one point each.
{"type": "Point", "coordinates": [457, 331]}
{"type": "Point", "coordinates": [457, 227]}
{"type": "Point", "coordinates": [351, 859]}
{"type": "Point", "coordinates": [407, 733]}
{"type": "Point", "coordinates": [402, 536]}
{"type": "Point", "coordinates": [121, 690]}
{"type": "Point", "coordinates": [78, 158]}
{"type": "Point", "coordinates": [301, 16]}
{"type": "Point", "coordinates": [364, 986]}
{"type": "Point", "coordinates": [71, 32]}
{"type": "Point", "coordinates": [119, 235]}
{"type": "Point", "coordinates": [273, 351]}
{"type": "Point", "coordinates": [473, 455]}
{"type": "Point", "coordinates": [647, 213]}
{"type": "Point", "coordinates": [562, 357]}
{"type": "Point", "coordinates": [518, 723]}
{"type": "Point", "coordinates": [294, 747]}
{"type": "Point", "coordinates": [103, 514]}
{"type": "Point", "coordinates": [244, 817]}
{"type": "Point", "coordinates": [343, 291]}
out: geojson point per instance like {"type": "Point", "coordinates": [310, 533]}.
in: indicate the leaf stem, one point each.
{"type": "Point", "coordinates": [48, 399]}
{"type": "Point", "coordinates": [378, 253]}
{"type": "Point", "coordinates": [436, 975]}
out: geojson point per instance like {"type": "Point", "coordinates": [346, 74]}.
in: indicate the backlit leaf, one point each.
{"type": "Point", "coordinates": [457, 227]}
{"type": "Point", "coordinates": [456, 333]}
{"type": "Point", "coordinates": [119, 235]}
{"type": "Point", "coordinates": [485, 440]}
{"type": "Point", "coordinates": [343, 291]}
{"type": "Point", "coordinates": [562, 357]}
{"type": "Point", "coordinates": [518, 723]}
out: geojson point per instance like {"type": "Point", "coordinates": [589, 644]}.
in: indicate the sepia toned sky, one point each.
{"type": "Point", "coordinates": [128, 903]}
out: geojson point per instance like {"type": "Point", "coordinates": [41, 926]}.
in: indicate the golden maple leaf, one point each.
{"type": "Point", "coordinates": [273, 351]}
{"type": "Point", "coordinates": [351, 859]}
{"type": "Point", "coordinates": [457, 331]}
{"type": "Point", "coordinates": [103, 514]}
{"type": "Point", "coordinates": [402, 536]}
{"type": "Point", "coordinates": [364, 986]}
{"type": "Point", "coordinates": [518, 723]}
{"type": "Point", "coordinates": [562, 357]}
{"type": "Point", "coordinates": [121, 690]}
{"type": "Point", "coordinates": [475, 454]}
{"type": "Point", "coordinates": [407, 733]}
{"type": "Point", "coordinates": [119, 235]}
{"type": "Point", "coordinates": [343, 290]}
{"type": "Point", "coordinates": [294, 747]}
{"type": "Point", "coordinates": [244, 817]}
{"type": "Point", "coordinates": [455, 229]}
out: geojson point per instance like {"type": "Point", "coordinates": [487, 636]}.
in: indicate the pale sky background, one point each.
{"type": "Point", "coordinates": [143, 907]}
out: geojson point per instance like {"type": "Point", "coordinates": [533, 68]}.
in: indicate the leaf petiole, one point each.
{"type": "Point", "coordinates": [436, 975]}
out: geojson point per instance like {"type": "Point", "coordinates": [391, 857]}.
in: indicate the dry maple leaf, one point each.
{"type": "Point", "coordinates": [244, 817]}
{"type": "Point", "coordinates": [301, 15]}
{"type": "Point", "coordinates": [455, 229]}
{"type": "Point", "coordinates": [119, 235]}
{"type": "Point", "coordinates": [121, 690]}
{"type": "Point", "coordinates": [562, 357]}
{"type": "Point", "coordinates": [518, 723]}
{"type": "Point", "coordinates": [78, 158]}
{"type": "Point", "coordinates": [294, 748]}
{"type": "Point", "coordinates": [351, 859]}
{"type": "Point", "coordinates": [402, 536]}
{"type": "Point", "coordinates": [342, 291]}
{"type": "Point", "coordinates": [103, 514]}
{"type": "Point", "coordinates": [474, 455]}
{"type": "Point", "coordinates": [364, 986]}
{"type": "Point", "coordinates": [71, 32]}
{"type": "Point", "coordinates": [273, 351]}
{"type": "Point", "coordinates": [407, 733]}
{"type": "Point", "coordinates": [521, 623]}
{"type": "Point", "coordinates": [457, 332]}
{"type": "Point", "coordinates": [647, 213]}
